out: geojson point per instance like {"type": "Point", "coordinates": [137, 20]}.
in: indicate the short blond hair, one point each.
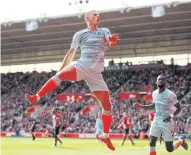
{"type": "Point", "coordinates": [89, 13]}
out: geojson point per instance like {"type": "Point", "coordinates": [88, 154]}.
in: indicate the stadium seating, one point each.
{"type": "Point", "coordinates": [15, 85]}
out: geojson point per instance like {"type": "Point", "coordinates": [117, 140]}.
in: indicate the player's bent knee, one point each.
{"type": "Point", "coordinates": [169, 146]}
{"type": "Point", "coordinates": [170, 149]}
{"type": "Point", "coordinates": [104, 99]}
{"type": "Point", "coordinates": [68, 73]}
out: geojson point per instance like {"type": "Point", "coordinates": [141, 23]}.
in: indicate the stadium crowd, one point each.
{"type": "Point", "coordinates": [13, 104]}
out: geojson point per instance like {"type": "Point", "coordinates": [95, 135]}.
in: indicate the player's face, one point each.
{"type": "Point", "coordinates": [161, 81]}
{"type": "Point", "coordinates": [93, 18]}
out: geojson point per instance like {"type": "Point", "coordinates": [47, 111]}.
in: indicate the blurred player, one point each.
{"type": "Point", "coordinates": [33, 127]}
{"type": "Point", "coordinates": [92, 42]}
{"type": "Point", "coordinates": [163, 100]}
{"type": "Point", "coordinates": [47, 133]}
{"type": "Point", "coordinates": [99, 127]}
{"type": "Point", "coordinates": [13, 125]}
{"type": "Point", "coordinates": [126, 124]}
{"type": "Point", "coordinates": [56, 121]}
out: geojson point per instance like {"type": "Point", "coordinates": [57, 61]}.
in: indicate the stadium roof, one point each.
{"type": "Point", "coordinates": [140, 33]}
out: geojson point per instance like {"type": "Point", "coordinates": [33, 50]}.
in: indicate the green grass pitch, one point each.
{"type": "Point", "coordinates": [42, 146]}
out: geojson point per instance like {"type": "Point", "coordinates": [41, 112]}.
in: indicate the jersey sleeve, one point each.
{"type": "Point", "coordinates": [75, 40]}
{"type": "Point", "coordinates": [107, 33]}
{"type": "Point", "coordinates": [173, 99]}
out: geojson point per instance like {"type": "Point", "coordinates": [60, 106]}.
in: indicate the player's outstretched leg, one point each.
{"type": "Point", "coordinates": [68, 73]}
{"type": "Point", "coordinates": [125, 136]}
{"type": "Point", "coordinates": [59, 141]}
{"type": "Point", "coordinates": [104, 99]}
{"type": "Point", "coordinates": [182, 142]}
{"type": "Point", "coordinates": [55, 144]}
{"type": "Point", "coordinates": [132, 142]}
{"type": "Point", "coordinates": [152, 145]}
{"type": "Point", "coordinates": [170, 147]}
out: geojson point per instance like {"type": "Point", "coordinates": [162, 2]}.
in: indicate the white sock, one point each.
{"type": "Point", "coordinates": [38, 97]}
{"type": "Point", "coordinates": [105, 135]}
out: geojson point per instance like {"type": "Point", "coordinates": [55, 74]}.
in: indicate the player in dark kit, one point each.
{"type": "Point", "coordinates": [33, 127]}
{"type": "Point", "coordinates": [56, 121]}
{"type": "Point", "coordinates": [14, 126]}
{"type": "Point", "coordinates": [126, 124]}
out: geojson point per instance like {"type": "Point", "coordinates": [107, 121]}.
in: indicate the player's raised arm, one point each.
{"type": "Point", "coordinates": [111, 38]}
{"type": "Point", "coordinates": [120, 125]}
{"type": "Point", "coordinates": [71, 53]}
{"type": "Point", "coordinates": [68, 58]}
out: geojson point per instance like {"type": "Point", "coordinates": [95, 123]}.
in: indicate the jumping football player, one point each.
{"type": "Point", "coordinates": [92, 42]}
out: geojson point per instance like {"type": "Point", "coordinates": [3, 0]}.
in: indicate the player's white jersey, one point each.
{"type": "Point", "coordinates": [92, 45]}
{"type": "Point", "coordinates": [164, 103]}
